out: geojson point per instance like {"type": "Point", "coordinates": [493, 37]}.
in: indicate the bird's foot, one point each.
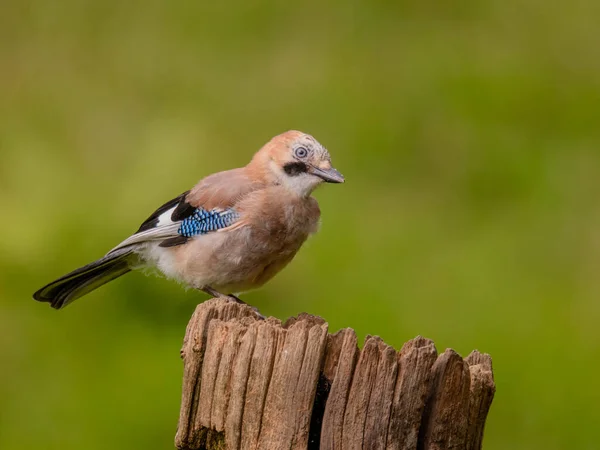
{"type": "Point", "coordinates": [236, 299]}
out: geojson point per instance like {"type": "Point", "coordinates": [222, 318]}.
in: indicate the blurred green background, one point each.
{"type": "Point", "coordinates": [469, 136]}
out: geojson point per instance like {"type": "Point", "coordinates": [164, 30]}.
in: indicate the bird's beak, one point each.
{"type": "Point", "coordinates": [328, 175]}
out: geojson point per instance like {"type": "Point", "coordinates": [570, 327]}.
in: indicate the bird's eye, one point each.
{"type": "Point", "coordinates": [301, 152]}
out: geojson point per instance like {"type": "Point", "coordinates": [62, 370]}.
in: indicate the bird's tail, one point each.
{"type": "Point", "coordinates": [81, 281]}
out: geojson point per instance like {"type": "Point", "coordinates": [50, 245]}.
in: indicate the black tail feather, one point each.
{"type": "Point", "coordinates": [81, 281]}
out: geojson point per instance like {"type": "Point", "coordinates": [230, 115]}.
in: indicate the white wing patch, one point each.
{"type": "Point", "coordinates": [165, 218]}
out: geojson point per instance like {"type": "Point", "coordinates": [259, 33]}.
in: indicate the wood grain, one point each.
{"type": "Point", "coordinates": [251, 383]}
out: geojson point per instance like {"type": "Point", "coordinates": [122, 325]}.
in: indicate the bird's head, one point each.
{"type": "Point", "coordinates": [297, 161]}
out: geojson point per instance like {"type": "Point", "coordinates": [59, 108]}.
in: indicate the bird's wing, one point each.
{"type": "Point", "coordinates": [208, 207]}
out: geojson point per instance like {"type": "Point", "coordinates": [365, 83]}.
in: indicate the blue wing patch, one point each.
{"type": "Point", "coordinates": [203, 221]}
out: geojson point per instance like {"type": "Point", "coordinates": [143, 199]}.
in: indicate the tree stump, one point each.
{"type": "Point", "coordinates": [251, 383]}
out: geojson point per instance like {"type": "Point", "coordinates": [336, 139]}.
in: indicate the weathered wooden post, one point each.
{"type": "Point", "coordinates": [259, 384]}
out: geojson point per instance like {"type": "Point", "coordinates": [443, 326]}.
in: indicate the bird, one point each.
{"type": "Point", "coordinates": [231, 233]}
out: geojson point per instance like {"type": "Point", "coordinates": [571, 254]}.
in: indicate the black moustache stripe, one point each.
{"type": "Point", "coordinates": [295, 168]}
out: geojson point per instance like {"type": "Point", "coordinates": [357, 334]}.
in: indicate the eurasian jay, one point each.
{"type": "Point", "coordinates": [232, 232]}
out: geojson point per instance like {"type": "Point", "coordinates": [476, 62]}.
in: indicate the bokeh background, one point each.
{"type": "Point", "coordinates": [469, 136]}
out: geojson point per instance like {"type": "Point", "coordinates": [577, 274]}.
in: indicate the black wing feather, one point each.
{"type": "Point", "coordinates": [174, 241]}
{"type": "Point", "coordinates": [152, 221]}
{"type": "Point", "coordinates": [183, 211]}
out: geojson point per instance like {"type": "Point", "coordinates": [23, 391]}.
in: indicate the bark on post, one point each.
{"type": "Point", "coordinates": [251, 383]}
